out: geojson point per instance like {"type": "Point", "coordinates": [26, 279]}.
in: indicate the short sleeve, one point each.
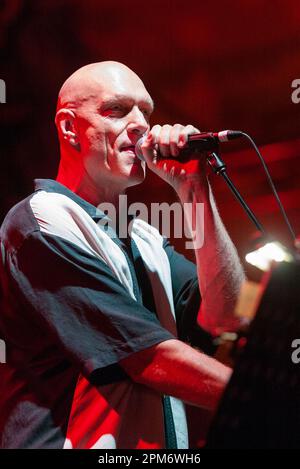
{"type": "Point", "coordinates": [76, 300]}
{"type": "Point", "coordinates": [187, 300]}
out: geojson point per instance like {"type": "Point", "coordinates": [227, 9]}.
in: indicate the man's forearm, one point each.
{"type": "Point", "coordinates": [174, 368]}
{"type": "Point", "coordinates": [219, 270]}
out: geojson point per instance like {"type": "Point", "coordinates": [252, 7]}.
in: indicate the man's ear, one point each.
{"type": "Point", "coordinates": [65, 121]}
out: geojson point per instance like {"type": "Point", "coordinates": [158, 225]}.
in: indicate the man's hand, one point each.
{"type": "Point", "coordinates": [161, 149]}
{"type": "Point", "coordinates": [220, 272]}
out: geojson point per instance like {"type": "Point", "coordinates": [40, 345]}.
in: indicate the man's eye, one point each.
{"type": "Point", "coordinates": [111, 110]}
{"type": "Point", "coordinates": [146, 113]}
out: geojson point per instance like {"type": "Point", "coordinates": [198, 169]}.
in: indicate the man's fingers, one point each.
{"type": "Point", "coordinates": [166, 141]}
{"type": "Point", "coordinates": [148, 147]}
{"type": "Point", "coordinates": [184, 134]}
{"type": "Point", "coordinates": [174, 139]}
{"type": "Point", "coordinates": [155, 131]}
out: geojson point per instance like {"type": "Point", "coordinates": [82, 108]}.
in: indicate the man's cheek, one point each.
{"type": "Point", "coordinates": [96, 140]}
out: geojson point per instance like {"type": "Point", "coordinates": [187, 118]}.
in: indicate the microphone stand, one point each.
{"type": "Point", "coordinates": [218, 166]}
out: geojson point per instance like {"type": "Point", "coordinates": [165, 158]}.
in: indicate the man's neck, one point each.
{"type": "Point", "coordinates": [84, 188]}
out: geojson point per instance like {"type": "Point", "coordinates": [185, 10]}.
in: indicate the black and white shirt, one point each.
{"type": "Point", "coordinates": [75, 301]}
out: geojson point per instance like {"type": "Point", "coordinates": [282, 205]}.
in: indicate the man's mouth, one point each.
{"type": "Point", "coordinates": [128, 148]}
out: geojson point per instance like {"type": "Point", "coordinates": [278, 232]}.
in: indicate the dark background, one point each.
{"type": "Point", "coordinates": [218, 65]}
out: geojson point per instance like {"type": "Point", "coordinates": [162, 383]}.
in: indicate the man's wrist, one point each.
{"type": "Point", "coordinates": [193, 184]}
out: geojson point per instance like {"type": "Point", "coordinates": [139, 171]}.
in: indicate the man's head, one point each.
{"type": "Point", "coordinates": [102, 110]}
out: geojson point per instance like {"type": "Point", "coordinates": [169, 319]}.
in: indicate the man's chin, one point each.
{"type": "Point", "coordinates": [135, 179]}
{"type": "Point", "coordinates": [137, 174]}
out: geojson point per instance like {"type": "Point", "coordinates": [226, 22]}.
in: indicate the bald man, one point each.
{"type": "Point", "coordinates": [101, 332]}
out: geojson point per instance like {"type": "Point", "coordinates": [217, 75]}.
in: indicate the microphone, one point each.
{"type": "Point", "coordinates": [204, 141]}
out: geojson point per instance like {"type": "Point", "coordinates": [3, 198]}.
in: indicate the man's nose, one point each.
{"type": "Point", "coordinates": [138, 123]}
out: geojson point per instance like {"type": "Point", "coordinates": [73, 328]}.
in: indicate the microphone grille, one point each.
{"type": "Point", "coordinates": [138, 150]}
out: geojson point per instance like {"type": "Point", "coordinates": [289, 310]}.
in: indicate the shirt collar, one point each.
{"type": "Point", "coordinates": [50, 185]}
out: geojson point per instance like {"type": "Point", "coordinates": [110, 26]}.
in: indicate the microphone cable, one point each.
{"type": "Point", "coordinates": [270, 181]}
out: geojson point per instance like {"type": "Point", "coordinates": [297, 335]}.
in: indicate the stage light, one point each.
{"type": "Point", "coordinates": [263, 257]}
